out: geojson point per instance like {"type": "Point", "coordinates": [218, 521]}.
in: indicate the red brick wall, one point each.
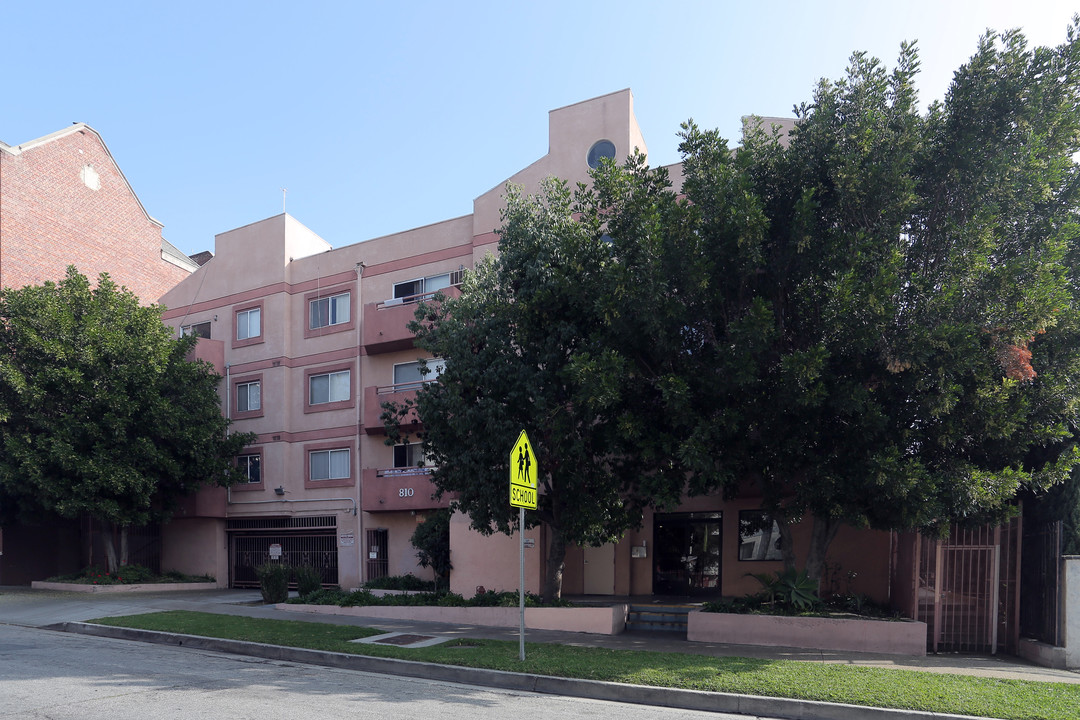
{"type": "Point", "coordinates": [50, 219]}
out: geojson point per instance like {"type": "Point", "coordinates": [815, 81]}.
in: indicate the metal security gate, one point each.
{"type": "Point", "coordinates": [308, 542]}
{"type": "Point", "coordinates": [378, 563]}
{"type": "Point", "coordinates": [1041, 583]}
{"type": "Point", "coordinates": [967, 589]}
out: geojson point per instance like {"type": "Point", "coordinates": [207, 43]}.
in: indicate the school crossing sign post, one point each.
{"type": "Point", "coordinates": [523, 473]}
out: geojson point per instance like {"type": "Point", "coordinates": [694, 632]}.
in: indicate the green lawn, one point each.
{"type": "Point", "coordinates": [876, 687]}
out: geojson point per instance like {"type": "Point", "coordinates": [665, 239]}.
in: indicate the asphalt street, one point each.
{"type": "Point", "coordinates": [59, 676]}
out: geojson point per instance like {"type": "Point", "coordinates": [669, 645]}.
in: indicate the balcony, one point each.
{"type": "Point", "coordinates": [396, 489]}
{"type": "Point", "coordinates": [385, 322]}
{"type": "Point", "coordinates": [375, 396]}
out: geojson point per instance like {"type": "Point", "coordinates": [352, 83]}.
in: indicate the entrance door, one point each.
{"type": "Point", "coordinates": [600, 570]}
{"type": "Point", "coordinates": [687, 554]}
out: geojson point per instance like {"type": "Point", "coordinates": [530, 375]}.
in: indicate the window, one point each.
{"type": "Point", "coordinates": [759, 536]}
{"type": "Point", "coordinates": [411, 375]}
{"type": "Point", "coordinates": [409, 455]}
{"type": "Point", "coordinates": [250, 466]}
{"type": "Point", "coordinates": [328, 464]}
{"type": "Point", "coordinates": [599, 150]}
{"type": "Point", "coordinates": [249, 397]}
{"type": "Point", "coordinates": [333, 310]}
{"type": "Point", "coordinates": [329, 310]}
{"type": "Point", "coordinates": [411, 289]}
{"type": "Point", "coordinates": [248, 324]}
{"type": "Point", "coordinates": [201, 330]}
{"type": "Point", "coordinates": [329, 387]}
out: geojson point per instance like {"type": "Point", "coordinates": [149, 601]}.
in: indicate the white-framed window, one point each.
{"type": "Point", "coordinates": [411, 289]}
{"type": "Point", "coordinates": [328, 464]}
{"type": "Point", "coordinates": [249, 324]}
{"type": "Point", "coordinates": [201, 330]}
{"type": "Point", "coordinates": [333, 310]}
{"type": "Point", "coordinates": [250, 465]}
{"type": "Point", "coordinates": [410, 455]}
{"type": "Point", "coordinates": [418, 372]}
{"type": "Point", "coordinates": [329, 387]}
{"type": "Point", "coordinates": [249, 397]}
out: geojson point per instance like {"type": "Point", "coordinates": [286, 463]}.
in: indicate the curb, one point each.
{"type": "Point", "coordinates": [590, 689]}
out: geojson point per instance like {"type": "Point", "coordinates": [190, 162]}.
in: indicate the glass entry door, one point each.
{"type": "Point", "coordinates": [687, 551]}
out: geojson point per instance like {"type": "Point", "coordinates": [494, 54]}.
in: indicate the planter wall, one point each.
{"type": "Point", "coordinates": [599, 620]}
{"type": "Point", "coordinates": [902, 637]}
{"type": "Point", "coordinates": [134, 587]}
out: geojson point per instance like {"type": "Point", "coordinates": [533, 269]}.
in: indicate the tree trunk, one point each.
{"type": "Point", "coordinates": [821, 536]}
{"type": "Point", "coordinates": [787, 545]}
{"type": "Point", "coordinates": [109, 536]}
{"type": "Point", "coordinates": [555, 563]}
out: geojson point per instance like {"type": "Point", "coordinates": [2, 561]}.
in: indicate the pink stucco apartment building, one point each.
{"type": "Point", "coordinates": [312, 339]}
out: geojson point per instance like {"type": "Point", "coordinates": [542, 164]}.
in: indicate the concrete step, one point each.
{"type": "Point", "coordinates": [658, 618]}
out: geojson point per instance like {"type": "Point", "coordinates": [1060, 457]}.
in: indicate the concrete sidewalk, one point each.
{"type": "Point", "coordinates": [38, 608]}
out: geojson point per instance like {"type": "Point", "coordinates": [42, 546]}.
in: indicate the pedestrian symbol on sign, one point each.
{"type": "Point", "coordinates": [523, 474]}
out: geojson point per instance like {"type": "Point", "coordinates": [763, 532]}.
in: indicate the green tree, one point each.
{"type": "Point", "coordinates": [101, 414]}
{"type": "Point", "coordinates": [521, 352]}
{"type": "Point", "coordinates": [432, 542]}
{"type": "Point", "coordinates": [870, 322]}
{"type": "Point", "coordinates": [889, 327]}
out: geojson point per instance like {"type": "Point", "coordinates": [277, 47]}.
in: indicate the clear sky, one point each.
{"type": "Point", "coordinates": [380, 117]}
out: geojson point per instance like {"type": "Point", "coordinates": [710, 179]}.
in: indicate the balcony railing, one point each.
{"type": "Point", "coordinates": [375, 396]}
{"type": "Point", "coordinates": [404, 471]}
{"type": "Point", "coordinates": [386, 322]}
{"type": "Point", "coordinates": [403, 387]}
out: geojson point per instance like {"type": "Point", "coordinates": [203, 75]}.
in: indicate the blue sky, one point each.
{"type": "Point", "coordinates": [380, 118]}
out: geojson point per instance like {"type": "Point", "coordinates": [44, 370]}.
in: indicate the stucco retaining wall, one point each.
{"type": "Point", "coordinates": [878, 636]}
{"type": "Point", "coordinates": [598, 620]}
{"type": "Point", "coordinates": [1071, 614]}
{"type": "Point", "coordinates": [134, 587]}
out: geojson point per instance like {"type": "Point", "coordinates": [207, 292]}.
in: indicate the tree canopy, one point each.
{"type": "Point", "coordinates": [869, 321]}
{"type": "Point", "coordinates": [101, 414]}
{"type": "Point", "coordinates": [521, 352]}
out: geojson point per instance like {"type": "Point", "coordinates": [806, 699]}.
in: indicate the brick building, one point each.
{"type": "Point", "coordinates": [64, 201]}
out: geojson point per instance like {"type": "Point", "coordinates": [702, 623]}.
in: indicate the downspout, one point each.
{"type": "Point", "coordinates": [359, 268]}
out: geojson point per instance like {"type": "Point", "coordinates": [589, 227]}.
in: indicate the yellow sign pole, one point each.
{"type": "Point", "coordinates": [523, 486]}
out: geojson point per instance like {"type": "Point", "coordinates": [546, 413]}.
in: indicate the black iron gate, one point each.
{"type": "Point", "coordinates": [307, 542]}
{"type": "Point", "coordinates": [378, 563]}
{"type": "Point", "coordinates": [1041, 583]}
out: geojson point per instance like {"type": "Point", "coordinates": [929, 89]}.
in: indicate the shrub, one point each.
{"type": "Point", "coordinates": [273, 582]}
{"type": "Point", "coordinates": [432, 542]}
{"type": "Point", "coordinates": [401, 582]}
{"type": "Point", "coordinates": [790, 589]}
{"type": "Point", "coordinates": [322, 596]}
{"type": "Point", "coordinates": [135, 574]}
{"type": "Point", "coordinates": [308, 580]}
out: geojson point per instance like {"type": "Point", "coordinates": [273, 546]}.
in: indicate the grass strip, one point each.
{"type": "Point", "coordinates": [875, 687]}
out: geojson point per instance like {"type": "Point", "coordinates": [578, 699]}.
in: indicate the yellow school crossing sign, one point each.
{"type": "Point", "coordinates": [523, 474]}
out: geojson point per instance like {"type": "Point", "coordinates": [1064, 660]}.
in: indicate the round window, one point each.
{"type": "Point", "coordinates": [601, 149]}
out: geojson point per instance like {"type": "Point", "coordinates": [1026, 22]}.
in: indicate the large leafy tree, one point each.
{"type": "Point", "coordinates": [888, 324]}
{"type": "Point", "coordinates": [522, 350]}
{"type": "Point", "coordinates": [871, 321]}
{"type": "Point", "coordinates": [101, 414]}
